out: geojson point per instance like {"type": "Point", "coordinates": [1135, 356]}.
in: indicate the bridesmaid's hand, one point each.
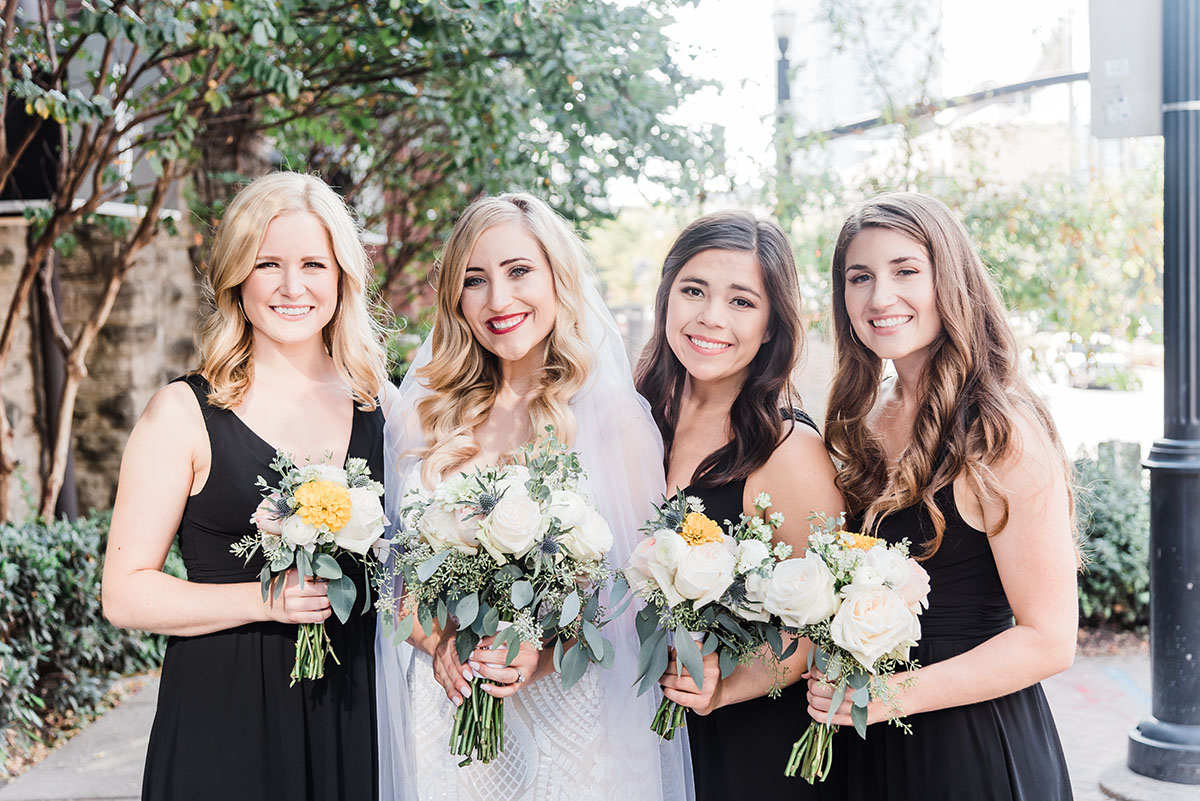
{"type": "Point", "coordinates": [820, 699]}
{"type": "Point", "coordinates": [489, 664]}
{"type": "Point", "coordinates": [679, 686]}
{"type": "Point", "coordinates": [299, 604]}
{"type": "Point", "coordinates": [449, 672]}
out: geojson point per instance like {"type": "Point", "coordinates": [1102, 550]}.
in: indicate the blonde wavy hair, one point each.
{"type": "Point", "coordinates": [353, 337]}
{"type": "Point", "coordinates": [462, 375]}
{"type": "Point", "coordinates": [971, 388]}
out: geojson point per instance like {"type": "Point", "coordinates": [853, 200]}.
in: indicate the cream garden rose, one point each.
{"type": "Point", "coordinates": [801, 591]}
{"type": "Point", "coordinates": [297, 533]}
{"type": "Point", "coordinates": [366, 522]}
{"type": "Point", "coordinates": [705, 571]}
{"type": "Point", "coordinates": [590, 539]}
{"type": "Point", "coordinates": [668, 549]}
{"type": "Point", "coordinates": [323, 472]}
{"type": "Point", "coordinates": [569, 507]}
{"type": "Point", "coordinates": [512, 527]}
{"type": "Point", "coordinates": [443, 528]}
{"type": "Point", "coordinates": [872, 622]}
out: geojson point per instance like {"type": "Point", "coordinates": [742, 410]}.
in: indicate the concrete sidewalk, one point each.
{"type": "Point", "coordinates": [1095, 704]}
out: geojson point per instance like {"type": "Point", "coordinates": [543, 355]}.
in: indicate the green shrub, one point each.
{"type": "Point", "coordinates": [1114, 523]}
{"type": "Point", "coordinates": [57, 652]}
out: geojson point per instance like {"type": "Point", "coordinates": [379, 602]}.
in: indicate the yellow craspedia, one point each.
{"type": "Point", "coordinates": [323, 502]}
{"type": "Point", "coordinates": [699, 529]}
{"type": "Point", "coordinates": [863, 542]}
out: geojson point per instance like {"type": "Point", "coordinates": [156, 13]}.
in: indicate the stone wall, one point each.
{"type": "Point", "coordinates": [149, 339]}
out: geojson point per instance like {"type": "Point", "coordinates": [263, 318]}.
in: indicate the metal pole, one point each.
{"type": "Point", "coordinates": [1166, 745]}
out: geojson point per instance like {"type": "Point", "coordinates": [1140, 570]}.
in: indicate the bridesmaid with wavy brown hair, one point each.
{"type": "Point", "coordinates": [718, 375]}
{"type": "Point", "coordinates": [961, 458]}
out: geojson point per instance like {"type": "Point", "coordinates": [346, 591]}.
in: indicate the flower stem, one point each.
{"type": "Point", "coordinates": [312, 646]}
{"type": "Point", "coordinates": [478, 728]}
{"type": "Point", "coordinates": [669, 717]}
{"type": "Point", "coordinates": [812, 754]}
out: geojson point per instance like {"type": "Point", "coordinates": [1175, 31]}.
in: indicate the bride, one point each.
{"type": "Point", "coordinates": [522, 340]}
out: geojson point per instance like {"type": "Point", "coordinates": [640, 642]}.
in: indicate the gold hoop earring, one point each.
{"type": "Point", "coordinates": [854, 336]}
{"type": "Point", "coordinates": [242, 309]}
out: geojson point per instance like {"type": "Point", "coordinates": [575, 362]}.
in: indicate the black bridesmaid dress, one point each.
{"type": "Point", "coordinates": [741, 750]}
{"type": "Point", "coordinates": [1005, 749]}
{"type": "Point", "coordinates": [228, 725]}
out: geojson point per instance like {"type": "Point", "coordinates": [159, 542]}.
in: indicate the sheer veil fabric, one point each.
{"type": "Point", "coordinates": [621, 451]}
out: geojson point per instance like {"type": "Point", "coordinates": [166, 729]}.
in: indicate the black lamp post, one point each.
{"type": "Point", "coordinates": [783, 22]}
{"type": "Point", "coordinates": [1166, 745]}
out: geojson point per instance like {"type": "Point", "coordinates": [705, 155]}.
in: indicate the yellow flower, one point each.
{"type": "Point", "coordinates": [323, 502]}
{"type": "Point", "coordinates": [699, 529]}
{"type": "Point", "coordinates": [863, 542]}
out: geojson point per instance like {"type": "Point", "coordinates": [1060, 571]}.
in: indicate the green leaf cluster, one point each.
{"type": "Point", "coordinates": [1113, 517]}
{"type": "Point", "coordinates": [58, 655]}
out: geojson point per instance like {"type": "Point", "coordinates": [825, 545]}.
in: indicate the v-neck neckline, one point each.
{"type": "Point", "coordinates": [268, 446]}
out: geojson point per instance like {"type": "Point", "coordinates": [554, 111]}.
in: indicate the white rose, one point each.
{"type": "Point", "coordinates": [637, 569]}
{"type": "Point", "coordinates": [751, 554]}
{"type": "Point", "coordinates": [756, 593]}
{"type": "Point", "coordinates": [705, 572]}
{"type": "Point", "coordinates": [801, 591]}
{"type": "Point", "coordinates": [298, 533]}
{"type": "Point", "coordinates": [514, 476]}
{"type": "Point", "coordinates": [323, 472]}
{"type": "Point", "coordinates": [590, 539]}
{"type": "Point", "coordinates": [872, 622]}
{"type": "Point", "coordinates": [569, 507]}
{"type": "Point", "coordinates": [865, 577]}
{"type": "Point", "coordinates": [668, 548]}
{"type": "Point", "coordinates": [443, 528]}
{"type": "Point", "coordinates": [512, 528]}
{"type": "Point", "coordinates": [366, 522]}
{"type": "Point", "coordinates": [889, 562]}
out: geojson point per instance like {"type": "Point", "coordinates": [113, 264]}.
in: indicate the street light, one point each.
{"type": "Point", "coordinates": [783, 22]}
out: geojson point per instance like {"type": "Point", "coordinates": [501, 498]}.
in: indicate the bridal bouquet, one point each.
{"type": "Point", "coordinates": [708, 591]}
{"type": "Point", "coordinates": [513, 552]}
{"type": "Point", "coordinates": [317, 513]}
{"type": "Point", "coordinates": [865, 597]}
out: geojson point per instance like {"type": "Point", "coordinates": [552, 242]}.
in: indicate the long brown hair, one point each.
{"type": "Point", "coordinates": [758, 426]}
{"type": "Point", "coordinates": [971, 385]}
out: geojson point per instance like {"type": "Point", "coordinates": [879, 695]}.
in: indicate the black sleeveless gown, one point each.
{"type": "Point", "coordinates": [1005, 749]}
{"type": "Point", "coordinates": [227, 725]}
{"type": "Point", "coordinates": [741, 750]}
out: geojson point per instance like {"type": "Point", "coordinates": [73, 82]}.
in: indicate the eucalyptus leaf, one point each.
{"type": "Point", "coordinates": [464, 643]}
{"type": "Point", "coordinates": [610, 655]}
{"type": "Point", "coordinates": [861, 696]}
{"type": "Point", "coordinates": [646, 653]}
{"type": "Point", "coordinates": [688, 655]}
{"type": "Point", "coordinates": [403, 629]}
{"type": "Point", "coordinates": [858, 716]}
{"type": "Point", "coordinates": [570, 609]}
{"type": "Point", "coordinates": [303, 565]}
{"type": "Point", "coordinates": [711, 644]}
{"type": "Point", "coordinates": [646, 622]}
{"type": "Point", "coordinates": [426, 569]}
{"type": "Point", "coordinates": [342, 593]}
{"type": "Point", "coordinates": [326, 566]}
{"type": "Point", "coordinates": [574, 665]}
{"type": "Point", "coordinates": [425, 617]}
{"type": "Point", "coordinates": [595, 640]}
{"type": "Point", "coordinates": [728, 622]}
{"type": "Point", "coordinates": [858, 679]}
{"type": "Point", "coordinates": [774, 640]}
{"type": "Point", "coordinates": [620, 586]}
{"type": "Point", "coordinates": [657, 665]}
{"type": "Point", "coordinates": [443, 613]}
{"type": "Point", "coordinates": [558, 654]}
{"type": "Point", "coordinates": [727, 660]}
{"type": "Point", "coordinates": [490, 621]}
{"type": "Point", "coordinates": [839, 695]}
{"type": "Point", "coordinates": [592, 606]}
{"type": "Point", "coordinates": [465, 609]}
{"type": "Point", "coordinates": [522, 594]}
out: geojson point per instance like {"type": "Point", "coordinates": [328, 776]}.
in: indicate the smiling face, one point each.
{"type": "Point", "coordinates": [508, 296]}
{"type": "Point", "coordinates": [890, 296]}
{"type": "Point", "coordinates": [292, 292]}
{"type": "Point", "coordinates": [717, 315]}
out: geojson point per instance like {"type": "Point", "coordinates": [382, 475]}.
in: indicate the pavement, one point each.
{"type": "Point", "coordinates": [1095, 704]}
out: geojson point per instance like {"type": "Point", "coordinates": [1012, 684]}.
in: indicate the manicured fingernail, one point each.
{"type": "Point", "coordinates": [467, 674]}
{"type": "Point", "coordinates": [465, 690]}
{"type": "Point", "coordinates": [457, 701]}
{"type": "Point", "coordinates": [474, 665]}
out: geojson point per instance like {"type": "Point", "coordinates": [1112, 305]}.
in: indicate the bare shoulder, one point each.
{"type": "Point", "coordinates": [172, 415]}
{"type": "Point", "coordinates": [1032, 455]}
{"type": "Point", "coordinates": [798, 452]}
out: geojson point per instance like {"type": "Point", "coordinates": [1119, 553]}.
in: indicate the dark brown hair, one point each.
{"type": "Point", "coordinates": [758, 427]}
{"type": "Point", "coordinates": [971, 386]}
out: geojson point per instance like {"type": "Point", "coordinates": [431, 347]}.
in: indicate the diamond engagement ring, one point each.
{"type": "Point", "coordinates": [520, 676]}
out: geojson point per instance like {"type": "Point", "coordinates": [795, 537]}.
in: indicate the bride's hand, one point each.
{"type": "Point", "coordinates": [682, 688]}
{"type": "Point", "coordinates": [489, 664]}
{"type": "Point", "coordinates": [448, 671]}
